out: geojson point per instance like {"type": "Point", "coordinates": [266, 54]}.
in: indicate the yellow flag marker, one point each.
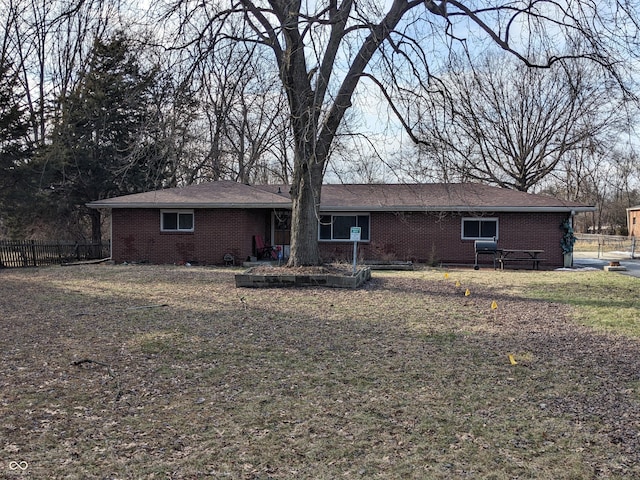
{"type": "Point", "coordinates": [512, 360]}
{"type": "Point", "coordinates": [467, 293]}
{"type": "Point", "coordinates": [457, 283]}
{"type": "Point", "coordinates": [446, 275]}
{"type": "Point", "coordinates": [494, 305]}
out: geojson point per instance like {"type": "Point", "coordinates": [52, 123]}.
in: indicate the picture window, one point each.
{"type": "Point", "coordinates": [338, 227]}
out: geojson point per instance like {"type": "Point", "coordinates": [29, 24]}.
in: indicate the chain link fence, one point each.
{"type": "Point", "coordinates": [606, 246]}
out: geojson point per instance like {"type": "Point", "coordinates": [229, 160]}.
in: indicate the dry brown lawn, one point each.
{"type": "Point", "coordinates": [140, 372]}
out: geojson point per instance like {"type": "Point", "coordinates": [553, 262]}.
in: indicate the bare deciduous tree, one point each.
{"type": "Point", "coordinates": [323, 50]}
{"type": "Point", "coordinates": [507, 124]}
{"type": "Point", "coordinates": [241, 114]}
{"type": "Point", "coordinates": [50, 42]}
{"type": "Point", "coordinates": [602, 177]}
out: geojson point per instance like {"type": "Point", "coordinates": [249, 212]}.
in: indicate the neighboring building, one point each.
{"type": "Point", "coordinates": [633, 221]}
{"type": "Point", "coordinates": [432, 223]}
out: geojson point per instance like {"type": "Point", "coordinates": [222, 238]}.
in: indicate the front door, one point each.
{"type": "Point", "coordinates": [282, 231]}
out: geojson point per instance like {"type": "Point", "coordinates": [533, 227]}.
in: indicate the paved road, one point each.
{"type": "Point", "coordinates": [589, 260]}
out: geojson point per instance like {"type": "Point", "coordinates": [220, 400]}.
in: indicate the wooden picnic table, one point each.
{"type": "Point", "coordinates": [508, 255]}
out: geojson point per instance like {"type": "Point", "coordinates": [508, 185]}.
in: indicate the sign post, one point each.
{"type": "Point", "coordinates": [355, 238]}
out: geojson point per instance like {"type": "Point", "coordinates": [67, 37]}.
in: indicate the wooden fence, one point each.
{"type": "Point", "coordinates": [32, 253]}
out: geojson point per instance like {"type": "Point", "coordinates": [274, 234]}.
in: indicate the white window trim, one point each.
{"type": "Point", "coordinates": [343, 214]}
{"type": "Point", "coordinates": [495, 219]}
{"type": "Point", "coordinates": [178, 229]}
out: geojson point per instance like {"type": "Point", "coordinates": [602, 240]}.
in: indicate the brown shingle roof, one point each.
{"type": "Point", "coordinates": [220, 194]}
{"type": "Point", "coordinates": [350, 197]}
{"type": "Point", "coordinates": [434, 197]}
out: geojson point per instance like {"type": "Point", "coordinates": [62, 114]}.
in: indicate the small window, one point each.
{"type": "Point", "coordinates": [176, 221]}
{"type": "Point", "coordinates": [479, 228]}
{"type": "Point", "coordinates": [338, 227]}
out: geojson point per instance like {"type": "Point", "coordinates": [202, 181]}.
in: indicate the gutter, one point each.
{"type": "Point", "coordinates": [396, 208]}
{"type": "Point", "coordinates": [98, 204]}
{"type": "Point", "coordinates": [346, 208]}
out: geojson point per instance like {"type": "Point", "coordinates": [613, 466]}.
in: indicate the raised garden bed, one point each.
{"type": "Point", "coordinates": [261, 277]}
{"type": "Point", "coordinates": [389, 265]}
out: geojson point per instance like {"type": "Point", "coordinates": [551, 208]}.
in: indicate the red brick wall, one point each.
{"type": "Point", "coordinates": [136, 236]}
{"type": "Point", "coordinates": [435, 238]}
{"type": "Point", "coordinates": [419, 237]}
{"type": "Point", "coordinates": [537, 230]}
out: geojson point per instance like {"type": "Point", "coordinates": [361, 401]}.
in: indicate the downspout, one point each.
{"type": "Point", "coordinates": [568, 240]}
{"type": "Point", "coordinates": [111, 234]}
{"type": "Point", "coordinates": [572, 214]}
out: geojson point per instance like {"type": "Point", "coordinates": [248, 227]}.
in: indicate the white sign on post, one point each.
{"type": "Point", "coordinates": [355, 238]}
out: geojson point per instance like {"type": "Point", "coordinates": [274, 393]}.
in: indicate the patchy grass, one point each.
{"type": "Point", "coordinates": [604, 301]}
{"type": "Point", "coordinates": [171, 372]}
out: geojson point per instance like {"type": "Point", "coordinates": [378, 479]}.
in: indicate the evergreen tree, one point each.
{"type": "Point", "coordinates": [102, 144]}
{"type": "Point", "coordinates": [14, 145]}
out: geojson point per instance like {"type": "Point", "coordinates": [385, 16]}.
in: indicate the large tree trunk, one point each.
{"type": "Point", "coordinates": [307, 100]}
{"type": "Point", "coordinates": [305, 195]}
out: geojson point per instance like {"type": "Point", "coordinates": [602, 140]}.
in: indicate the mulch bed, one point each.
{"type": "Point", "coordinates": [327, 269]}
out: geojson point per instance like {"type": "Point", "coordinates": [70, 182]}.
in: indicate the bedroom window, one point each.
{"type": "Point", "coordinates": [479, 228]}
{"type": "Point", "coordinates": [338, 227]}
{"type": "Point", "coordinates": [176, 221]}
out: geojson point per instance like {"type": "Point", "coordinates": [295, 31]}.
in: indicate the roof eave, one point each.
{"type": "Point", "coordinates": [454, 208]}
{"type": "Point", "coordinates": [176, 206]}
{"type": "Point", "coordinates": [347, 208]}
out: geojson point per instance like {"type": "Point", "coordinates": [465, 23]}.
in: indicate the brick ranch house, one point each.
{"type": "Point", "coordinates": [432, 223]}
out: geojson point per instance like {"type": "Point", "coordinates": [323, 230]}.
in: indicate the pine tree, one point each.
{"type": "Point", "coordinates": [14, 145]}
{"type": "Point", "coordinates": [102, 145]}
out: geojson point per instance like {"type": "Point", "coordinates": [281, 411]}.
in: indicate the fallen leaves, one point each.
{"type": "Point", "coordinates": [323, 383]}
